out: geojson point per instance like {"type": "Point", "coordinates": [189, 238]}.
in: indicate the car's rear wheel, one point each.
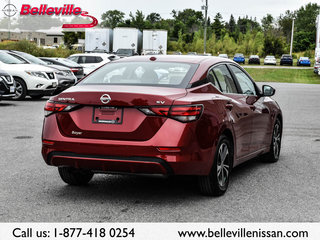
{"type": "Point", "coordinates": [21, 89]}
{"type": "Point", "coordinates": [275, 147]}
{"type": "Point", "coordinates": [216, 183]}
{"type": "Point", "coordinates": [74, 176]}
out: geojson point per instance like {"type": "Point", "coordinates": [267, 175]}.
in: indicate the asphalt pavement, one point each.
{"type": "Point", "coordinates": [287, 191]}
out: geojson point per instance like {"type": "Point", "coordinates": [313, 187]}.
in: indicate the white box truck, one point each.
{"type": "Point", "coordinates": [98, 39]}
{"type": "Point", "coordinates": [127, 41]}
{"type": "Point", "coordinates": [155, 41]}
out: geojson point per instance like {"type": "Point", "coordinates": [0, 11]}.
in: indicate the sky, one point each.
{"type": "Point", "coordinates": [254, 8]}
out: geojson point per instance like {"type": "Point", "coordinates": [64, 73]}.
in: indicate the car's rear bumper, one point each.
{"type": "Point", "coordinates": [190, 154]}
{"type": "Point", "coordinates": [111, 164]}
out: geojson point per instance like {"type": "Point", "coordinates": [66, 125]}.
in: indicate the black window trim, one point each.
{"type": "Point", "coordinates": [206, 81]}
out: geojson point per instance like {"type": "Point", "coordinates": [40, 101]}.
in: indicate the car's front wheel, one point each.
{"type": "Point", "coordinates": [216, 183]}
{"type": "Point", "coordinates": [21, 89]}
{"type": "Point", "coordinates": [275, 147]}
{"type": "Point", "coordinates": [74, 176]}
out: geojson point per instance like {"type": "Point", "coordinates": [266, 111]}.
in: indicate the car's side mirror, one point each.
{"type": "Point", "coordinates": [268, 91]}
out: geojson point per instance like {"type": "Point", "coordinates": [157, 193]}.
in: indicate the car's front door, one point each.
{"type": "Point", "coordinates": [237, 109]}
{"type": "Point", "coordinates": [261, 124]}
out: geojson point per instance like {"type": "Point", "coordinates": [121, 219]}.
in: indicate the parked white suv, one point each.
{"type": "Point", "coordinates": [31, 79]}
{"type": "Point", "coordinates": [91, 61]}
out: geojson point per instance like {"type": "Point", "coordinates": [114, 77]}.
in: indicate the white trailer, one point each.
{"type": "Point", "coordinates": [317, 50]}
{"type": "Point", "coordinates": [98, 40]}
{"type": "Point", "coordinates": [127, 38]}
{"type": "Point", "coordinates": [155, 41]}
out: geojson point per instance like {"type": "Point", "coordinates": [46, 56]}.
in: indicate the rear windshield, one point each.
{"type": "Point", "coordinates": [304, 58]}
{"type": "Point", "coordinates": [165, 74]}
{"type": "Point", "coordinates": [238, 55]}
{"type": "Point", "coordinates": [68, 62]}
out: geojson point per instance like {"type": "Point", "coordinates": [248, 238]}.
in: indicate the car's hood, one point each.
{"type": "Point", "coordinates": [25, 67]}
{"type": "Point", "coordinates": [3, 73]}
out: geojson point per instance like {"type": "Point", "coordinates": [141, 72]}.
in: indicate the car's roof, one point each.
{"type": "Point", "coordinates": [196, 59]}
{"type": "Point", "coordinates": [92, 54]}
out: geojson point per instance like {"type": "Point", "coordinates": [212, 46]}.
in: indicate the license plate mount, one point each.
{"type": "Point", "coordinates": [107, 115]}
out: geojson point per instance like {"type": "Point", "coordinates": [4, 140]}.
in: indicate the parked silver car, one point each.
{"type": "Point", "coordinates": [64, 75]}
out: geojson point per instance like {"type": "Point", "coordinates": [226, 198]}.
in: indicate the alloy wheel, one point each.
{"type": "Point", "coordinates": [223, 164]}
{"type": "Point", "coordinates": [276, 140]}
{"type": "Point", "coordinates": [19, 90]}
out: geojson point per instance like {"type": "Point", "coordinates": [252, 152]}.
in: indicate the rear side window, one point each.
{"type": "Point", "coordinates": [92, 59]}
{"type": "Point", "coordinates": [224, 79]}
{"type": "Point", "coordinates": [246, 85]}
{"type": "Point", "coordinates": [166, 74]}
{"type": "Point", "coordinates": [213, 80]}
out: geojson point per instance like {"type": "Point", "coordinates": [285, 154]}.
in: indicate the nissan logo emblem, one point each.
{"type": "Point", "coordinates": [105, 98]}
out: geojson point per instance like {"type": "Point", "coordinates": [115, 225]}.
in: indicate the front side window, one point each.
{"type": "Point", "coordinates": [166, 74]}
{"type": "Point", "coordinates": [224, 79]}
{"type": "Point", "coordinates": [246, 85]}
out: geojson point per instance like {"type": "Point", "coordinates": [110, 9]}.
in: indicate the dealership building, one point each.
{"type": "Point", "coordinates": [43, 37]}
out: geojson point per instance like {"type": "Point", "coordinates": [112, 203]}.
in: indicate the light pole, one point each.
{"type": "Point", "coordinates": [205, 26]}
{"type": "Point", "coordinates": [291, 45]}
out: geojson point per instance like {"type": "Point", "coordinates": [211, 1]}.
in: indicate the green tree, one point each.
{"type": "Point", "coordinates": [285, 24]}
{"type": "Point", "coordinates": [112, 18]}
{"type": "Point", "coordinates": [137, 20]}
{"type": "Point", "coordinates": [218, 25]}
{"type": "Point", "coordinates": [231, 25]}
{"type": "Point", "coordinates": [72, 38]}
{"type": "Point", "coordinates": [154, 18]}
{"type": "Point", "coordinates": [267, 23]}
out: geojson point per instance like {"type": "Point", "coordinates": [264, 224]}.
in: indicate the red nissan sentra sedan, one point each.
{"type": "Point", "coordinates": [170, 115]}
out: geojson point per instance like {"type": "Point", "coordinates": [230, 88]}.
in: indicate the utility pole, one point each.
{"type": "Point", "coordinates": [291, 45]}
{"type": "Point", "coordinates": [205, 26]}
{"type": "Point", "coordinates": [9, 23]}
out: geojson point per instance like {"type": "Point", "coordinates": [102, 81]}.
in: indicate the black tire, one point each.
{"type": "Point", "coordinates": [37, 96]}
{"type": "Point", "coordinates": [273, 155]}
{"type": "Point", "coordinates": [21, 89]}
{"type": "Point", "coordinates": [216, 184]}
{"type": "Point", "coordinates": [74, 176]}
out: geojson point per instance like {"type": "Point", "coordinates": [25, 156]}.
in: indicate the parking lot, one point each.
{"type": "Point", "coordinates": [285, 191]}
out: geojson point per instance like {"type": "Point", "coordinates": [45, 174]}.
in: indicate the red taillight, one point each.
{"type": "Point", "coordinates": [74, 70]}
{"type": "Point", "coordinates": [53, 107]}
{"type": "Point", "coordinates": [186, 113]}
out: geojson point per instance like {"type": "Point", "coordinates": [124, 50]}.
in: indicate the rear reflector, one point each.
{"type": "Point", "coordinates": [187, 113]}
{"type": "Point", "coordinates": [54, 107]}
{"type": "Point", "coordinates": [46, 142]}
{"type": "Point", "coordinates": [169, 149]}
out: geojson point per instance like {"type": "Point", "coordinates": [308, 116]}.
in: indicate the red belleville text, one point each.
{"type": "Point", "coordinates": [67, 9]}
